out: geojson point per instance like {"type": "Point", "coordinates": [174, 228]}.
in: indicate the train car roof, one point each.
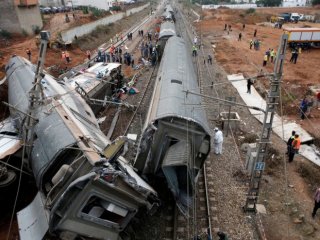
{"type": "Point", "coordinates": [168, 8]}
{"type": "Point", "coordinates": [176, 74]}
{"type": "Point", "coordinates": [167, 29]}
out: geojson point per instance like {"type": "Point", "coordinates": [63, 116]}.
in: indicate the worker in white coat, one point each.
{"type": "Point", "coordinates": [218, 140]}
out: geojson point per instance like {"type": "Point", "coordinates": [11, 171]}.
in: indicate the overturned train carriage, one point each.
{"type": "Point", "coordinates": [176, 137]}
{"type": "Point", "coordinates": [85, 187]}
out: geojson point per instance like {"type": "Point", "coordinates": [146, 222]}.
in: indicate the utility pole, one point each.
{"type": "Point", "coordinates": [35, 98]}
{"type": "Point", "coordinates": [272, 102]}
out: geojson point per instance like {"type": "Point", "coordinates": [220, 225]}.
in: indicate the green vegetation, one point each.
{"type": "Point", "coordinates": [115, 8]}
{"type": "Point", "coordinates": [24, 33]}
{"type": "Point", "coordinates": [269, 3]}
{"type": "Point", "coordinates": [5, 34]}
{"type": "Point", "coordinates": [36, 29]}
{"type": "Point", "coordinates": [250, 11]}
{"type": "Point", "coordinates": [315, 2]}
{"type": "Point", "coordinates": [95, 11]}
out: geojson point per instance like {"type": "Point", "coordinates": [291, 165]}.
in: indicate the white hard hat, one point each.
{"type": "Point", "coordinates": [216, 129]}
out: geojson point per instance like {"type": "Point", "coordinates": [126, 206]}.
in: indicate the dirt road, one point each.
{"type": "Point", "coordinates": [287, 190]}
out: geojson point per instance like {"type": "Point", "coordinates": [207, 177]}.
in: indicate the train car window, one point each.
{"type": "Point", "coordinates": [176, 81]}
{"type": "Point", "coordinates": [104, 210]}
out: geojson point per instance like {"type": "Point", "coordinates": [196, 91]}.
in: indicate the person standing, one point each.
{"type": "Point", "coordinates": [296, 54]}
{"type": "Point", "coordinates": [255, 33]}
{"type": "Point", "coordinates": [240, 36]}
{"type": "Point", "coordinates": [243, 26]}
{"type": "Point", "coordinates": [249, 83]}
{"type": "Point", "coordinates": [218, 141]}
{"type": "Point", "coordinates": [67, 57]}
{"type": "Point", "coordinates": [316, 202]}
{"type": "Point", "coordinates": [29, 54]}
{"type": "Point", "coordinates": [272, 55]}
{"type": "Point", "coordinates": [89, 55]}
{"type": "Point", "coordinates": [195, 40]}
{"type": "Point", "coordinates": [265, 59]}
{"type": "Point", "coordinates": [194, 51]}
{"type": "Point", "coordinates": [268, 54]}
{"type": "Point", "coordinates": [63, 56]}
{"type": "Point", "coordinates": [303, 107]}
{"type": "Point", "coordinates": [295, 146]}
{"type": "Point", "coordinates": [132, 61]}
{"type": "Point", "coordinates": [292, 55]}
{"type": "Point", "coordinates": [209, 59]}
{"type": "Point", "coordinates": [289, 142]}
{"type": "Point", "coordinates": [251, 43]}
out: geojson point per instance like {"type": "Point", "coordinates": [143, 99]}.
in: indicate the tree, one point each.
{"type": "Point", "coordinates": [315, 2]}
{"type": "Point", "coordinates": [270, 3]}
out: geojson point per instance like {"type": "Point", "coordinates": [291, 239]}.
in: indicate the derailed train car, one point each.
{"type": "Point", "coordinates": [176, 137]}
{"type": "Point", "coordinates": [167, 30]}
{"type": "Point", "coordinates": [168, 14]}
{"type": "Point", "coordinates": [85, 186]}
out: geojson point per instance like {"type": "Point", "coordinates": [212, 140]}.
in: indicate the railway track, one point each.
{"type": "Point", "coordinates": [145, 96]}
{"type": "Point", "coordinates": [199, 221]}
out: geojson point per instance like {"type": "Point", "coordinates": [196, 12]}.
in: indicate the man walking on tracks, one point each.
{"type": "Point", "coordinates": [316, 202]}
{"type": "Point", "coordinates": [218, 140]}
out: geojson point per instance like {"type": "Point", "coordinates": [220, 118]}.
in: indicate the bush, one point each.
{"type": "Point", "coordinates": [315, 2]}
{"type": "Point", "coordinates": [24, 33]}
{"type": "Point", "coordinates": [36, 29]}
{"type": "Point", "coordinates": [5, 34]}
{"type": "Point", "coordinates": [115, 8]}
{"type": "Point", "coordinates": [250, 10]}
{"type": "Point", "coordinates": [97, 12]}
{"type": "Point", "coordinates": [85, 10]}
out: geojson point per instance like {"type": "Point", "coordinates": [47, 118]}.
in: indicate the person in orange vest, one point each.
{"type": "Point", "coordinates": [295, 146]}
{"type": "Point", "coordinates": [88, 55]}
{"type": "Point", "coordinates": [67, 57]}
{"type": "Point", "coordinates": [63, 56]}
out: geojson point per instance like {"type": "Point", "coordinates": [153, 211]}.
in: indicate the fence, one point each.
{"type": "Point", "coordinates": [69, 35]}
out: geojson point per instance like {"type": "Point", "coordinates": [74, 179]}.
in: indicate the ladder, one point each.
{"type": "Point", "coordinates": [272, 103]}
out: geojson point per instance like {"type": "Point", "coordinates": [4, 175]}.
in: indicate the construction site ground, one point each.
{"type": "Point", "coordinates": [287, 189]}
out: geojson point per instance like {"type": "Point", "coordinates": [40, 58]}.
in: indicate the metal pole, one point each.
{"type": "Point", "coordinates": [35, 94]}
{"type": "Point", "coordinates": [262, 145]}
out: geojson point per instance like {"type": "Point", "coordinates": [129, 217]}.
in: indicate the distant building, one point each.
{"type": "Point", "coordinates": [20, 15]}
{"type": "Point", "coordinates": [294, 3]}
{"type": "Point", "coordinates": [52, 3]}
{"type": "Point", "coordinates": [101, 4]}
{"type": "Point", "coordinates": [244, 1]}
